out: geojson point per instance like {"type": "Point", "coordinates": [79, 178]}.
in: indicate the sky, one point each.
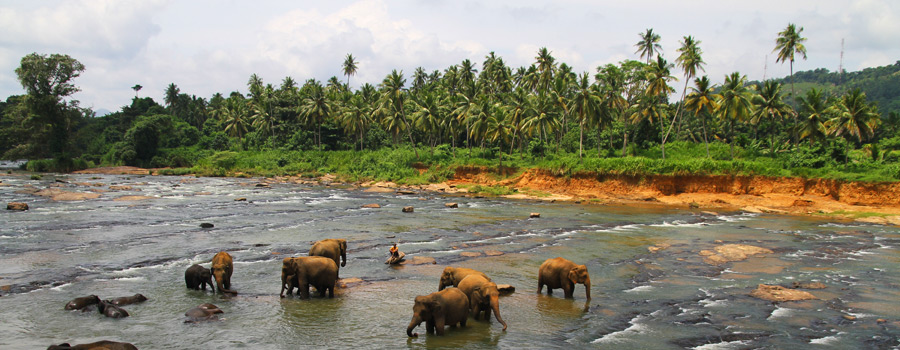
{"type": "Point", "coordinates": [206, 46]}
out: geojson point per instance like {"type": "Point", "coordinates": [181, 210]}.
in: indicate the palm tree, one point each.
{"type": "Point", "coordinates": [788, 43]}
{"type": "Point", "coordinates": [419, 78]}
{"type": "Point", "coordinates": [171, 97]}
{"type": "Point", "coordinates": [427, 114]}
{"type": "Point", "coordinates": [658, 77]}
{"type": "Point", "coordinates": [734, 103]}
{"type": "Point", "coordinates": [586, 105]}
{"type": "Point", "coordinates": [355, 117]}
{"type": "Point", "coordinates": [498, 128]}
{"type": "Point", "coordinates": [689, 61]}
{"type": "Point", "coordinates": [234, 116]}
{"type": "Point", "coordinates": [349, 67]}
{"type": "Point", "coordinates": [853, 117]}
{"type": "Point", "coordinates": [316, 108]}
{"type": "Point", "coordinates": [812, 112]}
{"type": "Point", "coordinates": [546, 66]}
{"type": "Point", "coordinates": [255, 84]}
{"type": "Point", "coordinates": [770, 106]}
{"type": "Point", "coordinates": [702, 101]}
{"type": "Point", "coordinates": [392, 103]}
{"type": "Point", "coordinates": [649, 45]}
{"type": "Point", "coordinates": [264, 112]}
{"type": "Point", "coordinates": [540, 117]}
{"type": "Point", "coordinates": [612, 85]}
{"type": "Point", "coordinates": [136, 88]}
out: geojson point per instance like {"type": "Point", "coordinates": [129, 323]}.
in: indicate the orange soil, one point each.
{"type": "Point", "coordinates": [751, 193]}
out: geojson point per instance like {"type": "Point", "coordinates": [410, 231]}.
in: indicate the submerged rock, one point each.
{"type": "Point", "coordinates": [808, 285]}
{"type": "Point", "coordinates": [419, 260]}
{"type": "Point", "coordinates": [470, 254]}
{"type": "Point", "coordinates": [491, 252]}
{"type": "Point", "coordinates": [206, 225]}
{"type": "Point", "coordinates": [17, 206]}
{"type": "Point", "coordinates": [372, 205]}
{"type": "Point", "coordinates": [534, 215]}
{"type": "Point", "coordinates": [506, 289]}
{"type": "Point", "coordinates": [451, 205]}
{"type": "Point", "coordinates": [780, 294]}
{"type": "Point", "coordinates": [408, 209]}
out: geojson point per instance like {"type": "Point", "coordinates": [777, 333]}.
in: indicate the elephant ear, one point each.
{"type": "Point", "coordinates": [435, 306]}
{"type": "Point", "coordinates": [573, 276]}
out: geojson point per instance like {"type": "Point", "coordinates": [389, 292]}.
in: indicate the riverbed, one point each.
{"type": "Point", "coordinates": [142, 232]}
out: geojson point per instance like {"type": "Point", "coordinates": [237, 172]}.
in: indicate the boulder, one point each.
{"type": "Point", "coordinates": [408, 209]}
{"type": "Point", "coordinates": [493, 253]}
{"type": "Point", "coordinates": [470, 254]}
{"type": "Point", "coordinates": [732, 252]}
{"type": "Point", "coordinates": [658, 247]}
{"type": "Point", "coordinates": [206, 225]}
{"type": "Point", "coordinates": [372, 205]}
{"type": "Point", "coordinates": [451, 205]}
{"type": "Point", "coordinates": [262, 184]}
{"type": "Point", "coordinates": [241, 199]}
{"type": "Point", "coordinates": [780, 294]}
{"type": "Point", "coordinates": [405, 192]}
{"type": "Point", "coordinates": [534, 215]}
{"type": "Point", "coordinates": [17, 206]}
{"type": "Point", "coordinates": [506, 289]}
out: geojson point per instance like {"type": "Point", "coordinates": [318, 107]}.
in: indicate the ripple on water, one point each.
{"type": "Point", "coordinates": [636, 328]}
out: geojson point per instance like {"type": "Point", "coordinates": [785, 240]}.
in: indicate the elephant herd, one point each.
{"type": "Point", "coordinates": [462, 292]}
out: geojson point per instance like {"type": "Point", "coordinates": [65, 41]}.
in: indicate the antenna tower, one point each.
{"type": "Point", "coordinates": [841, 66]}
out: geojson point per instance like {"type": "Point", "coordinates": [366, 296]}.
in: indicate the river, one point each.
{"type": "Point", "coordinates": [671, 299]}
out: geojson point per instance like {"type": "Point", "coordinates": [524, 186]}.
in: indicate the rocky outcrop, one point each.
{"type": "Point", "coordinates": [731, 252]}
{"type": "Point", "coordinates": [61, 195]}
{"type": "Point", "coordinates": [780, 294]}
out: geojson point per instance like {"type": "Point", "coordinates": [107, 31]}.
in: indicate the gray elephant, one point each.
{"type": "Point", "coordinates": [134, 299]}
{"type": "Point", "coordinates": [301, 272]}
{"type": "Point", "coordinates": [203, 312]}
{"type": "Point", "coordinates": [335, 249]}
{"type": "Point", "coordinates": [100, 345]}
{"type": "Point", "coordinates": [82, 302]}
{"type": "Point", "coordinates": [444, 308]}
{"type": "Point", "coordinates": [483, 297]}
{"type": "Point", "coordinates": [198, 277]}
{"type": "Point", "coordinates": [110, 310]}
{"type": "Point", "coordinates": [562, 273]}
{"type": "Point", "coordinates": [453, 275]}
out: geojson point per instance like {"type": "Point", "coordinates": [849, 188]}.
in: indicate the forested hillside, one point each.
{"type": "Point", "coordinates": [880, 84]}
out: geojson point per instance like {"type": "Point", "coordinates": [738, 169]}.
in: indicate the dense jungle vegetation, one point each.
{"type": "Point", "coordinates": [648, 116]}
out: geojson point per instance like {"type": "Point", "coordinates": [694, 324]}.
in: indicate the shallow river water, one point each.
{"type": "Point", "coordinates": [57, 251]}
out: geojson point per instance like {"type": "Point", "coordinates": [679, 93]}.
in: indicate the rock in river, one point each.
{"type": "Point", "coordinates": [779, 293]}
{"type": "Point", "coordinates": [18, 206]}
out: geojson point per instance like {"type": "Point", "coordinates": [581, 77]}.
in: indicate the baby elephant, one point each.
{"type": "Point", "coordinates": [110, 310]}
{"type": "Point", "coordinates": [203, 312]}
{"type": "Point", "coordinates": [197, 277]}
{"type": "Point", "coordinates": [82, 302]}
{"type": "Point", "coordinates": [134, 299]}
{"type": "Point", "coordinates": [100, 345]}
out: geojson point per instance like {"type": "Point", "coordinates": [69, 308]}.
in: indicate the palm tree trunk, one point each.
{"type": "Point", "coordinates": [581, 137]}
{"type": "Point", "coordinates": [705, 137]}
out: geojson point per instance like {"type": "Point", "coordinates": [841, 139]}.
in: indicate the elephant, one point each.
{"type": "Point", "coordinates": [222, 267]}
{"type": "Point", "coordinates": [301, 272]}
{"type": "Point", "coordinates": [82, 302]}
{"type": "Point", "coordinates": [335, 249]}
{"type": "Point", "coordinates": [446, 307]}
{"type": "Point", "coordinates": [134, 299]}
{"type": "Point", "coordinates": [203, 312]}
{"type": "Point", "coordinates": [110, 310]}
{"type": "Point", "coordinates": [198, 277]}
{"type": "Point", "coordinates": [100, 345]}
{"type": "Point", "coordinates": [562, 273]}
{"type": "Point", "coordinates": [483, 297]}
{"type": "Point", "coordinates": [452, 275]}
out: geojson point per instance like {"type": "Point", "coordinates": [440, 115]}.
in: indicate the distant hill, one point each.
{"type": "Point", "coordinates": [881, 84]}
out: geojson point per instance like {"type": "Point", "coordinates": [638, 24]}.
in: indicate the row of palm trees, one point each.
{"type": "Point", "coordinates": [503, 107]}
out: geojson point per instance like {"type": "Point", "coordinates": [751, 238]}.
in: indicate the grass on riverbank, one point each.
{"type": "Point", "coordinates": [401, 165]}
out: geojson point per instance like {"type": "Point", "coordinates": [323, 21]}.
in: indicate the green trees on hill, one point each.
{"type": "Point", "coordinates": [543, 111]}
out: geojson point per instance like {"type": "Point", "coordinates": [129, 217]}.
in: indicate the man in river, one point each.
{"type": "Point", "coordinates": [396, 255]}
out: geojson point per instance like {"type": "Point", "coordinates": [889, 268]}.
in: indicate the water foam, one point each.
{"type": "Point", "coordinates": [637, 328]}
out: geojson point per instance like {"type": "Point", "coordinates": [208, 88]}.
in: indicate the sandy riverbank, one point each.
{"type": "Point", "coordinates": [875, 203]}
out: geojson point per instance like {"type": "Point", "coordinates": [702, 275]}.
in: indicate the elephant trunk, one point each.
{"type": "Point", "coordinates": [416, 320]}
{"type": "Point", "coordinates": [587, 288]}
{"type": "Point", "coordinates": [495, 305]}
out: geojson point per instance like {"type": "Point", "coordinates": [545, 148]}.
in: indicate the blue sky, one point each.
{"type": "Point", "coordinates": [206, 46]}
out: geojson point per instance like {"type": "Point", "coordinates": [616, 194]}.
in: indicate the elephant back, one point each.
{"type": "Point", "coordinates": [315, 266]}
{"type": "Point", "coordinates": [329, 248]}
{"type": "Point", "coordinates": [472, 282]}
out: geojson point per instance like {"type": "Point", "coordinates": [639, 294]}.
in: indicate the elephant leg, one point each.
{"type": "Point", "coordinates": [228, 283]}
{"type": "Point", "coordinates": [439, 324]}
{"type": "Point", "coordinates": [569, 290]}
{"type": "Point", "coordinates": [331, 291]}
{"type": "Point", "coordinates": [476, 311]}
{"type": "Point", "coordinates": [303, 289]}
{"type": "Point", "coordinates": [463, 322]}
{"type": "Point", "coordinates": [429, 326]}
